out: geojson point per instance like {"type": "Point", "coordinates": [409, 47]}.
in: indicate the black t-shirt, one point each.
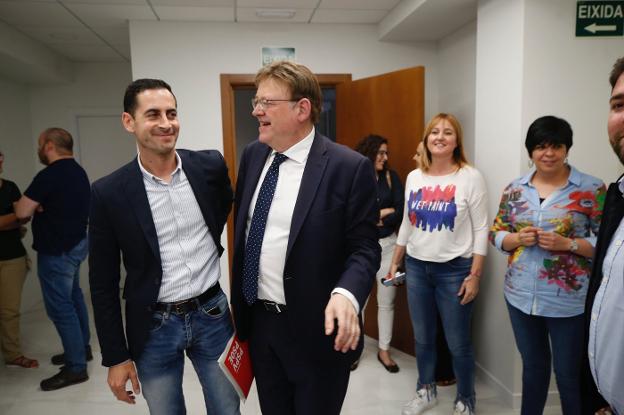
{"type": "Point", "coordinates": [63, 191]}
{"type": "Point", "coordinates": [10, 240]}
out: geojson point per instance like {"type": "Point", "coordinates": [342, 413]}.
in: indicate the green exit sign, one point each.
{"type": "Point", "coordinates": [599, 18]}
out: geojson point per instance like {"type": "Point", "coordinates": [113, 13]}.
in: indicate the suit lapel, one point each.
{"type": "Point", "coordinates": [312, 175]}
{"type": "Point", "coordinates": [614, 211]}
{"type": "Point", "coordinates": [196, 178]}
{"type": "Point", "coordinates": [136, 195]}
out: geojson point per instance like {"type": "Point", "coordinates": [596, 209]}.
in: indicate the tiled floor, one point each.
{"type": "Point", "coordinates": [372, 390]}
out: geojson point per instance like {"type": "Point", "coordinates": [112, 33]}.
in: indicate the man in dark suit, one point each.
{"type": "Point", "coordinates": [306, 249]}
{"type": "Point", "coordinates": [164, 213]}
{"type": "Point", "coordinates": [604, 362]}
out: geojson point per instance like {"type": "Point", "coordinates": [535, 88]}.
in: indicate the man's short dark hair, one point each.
{"type": "Point", "coordinates": [616, 72]}
{"type": "Point", "coordinates": [138, 86]}
{"type": "Point", "coordinates": [548, 131]}
{"type": "Point", "coordinates": [61, 138]}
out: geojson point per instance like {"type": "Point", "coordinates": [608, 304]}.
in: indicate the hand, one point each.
{"type": "Point", "coordinates": [552, 241]}
{"type": "Point", "coordinates": [340, 308]}
{"type": "Point", "coordinates": [118, 376]}
{"type": "Point", "coordinates": [528, 236]}
{"type": "Point", "coordinates": [469, 289]}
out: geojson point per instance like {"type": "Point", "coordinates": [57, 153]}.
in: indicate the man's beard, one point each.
{"type": "Point", "coordinates": [42, 158]}
{"type": "Point", "coordinates": [618, 148]}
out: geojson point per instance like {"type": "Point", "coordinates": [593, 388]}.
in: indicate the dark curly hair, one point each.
{"type": "Point", "coordinates": [369, 146]}
{"type": "Point", "coordinates": [618, 69]}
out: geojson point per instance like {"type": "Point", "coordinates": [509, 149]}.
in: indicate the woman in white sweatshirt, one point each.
{"type": "Point", "coordinates": [444, 231]}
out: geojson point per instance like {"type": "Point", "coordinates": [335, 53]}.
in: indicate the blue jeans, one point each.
{"type": "Point", "coordinates": [431, 286]}
{"type": "Point", "coordinates": [59, 276]}
{"type": "Point", "coordinates": [532, 335]}
{"type": "Point", "coordinates": [203, 335]}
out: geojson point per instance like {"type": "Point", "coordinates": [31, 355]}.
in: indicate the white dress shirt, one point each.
{"type": "Point", "coordinates": [277, 231]}
{"type": "Point", "coordinates": [188, 254]}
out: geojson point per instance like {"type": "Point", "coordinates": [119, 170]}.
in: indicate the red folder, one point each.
{"type": "Point", "coordinates": [236, 364]}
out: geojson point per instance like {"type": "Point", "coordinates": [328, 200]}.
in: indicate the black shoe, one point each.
{"type": "Point", "coordinates": [63, 378]}
{"type": "Point", "coordinates": [390, 368]}
{"type": "Point", "coordinates": [59, 359]}
{"type": "Point", "coordinates": [355, 365]}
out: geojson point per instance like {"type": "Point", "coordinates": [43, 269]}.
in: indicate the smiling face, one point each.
{"type": "Point", "coordinates": [549, 158]}
{"type": "Point", "coordinates": [382, 157]}
{"type": "Point", "coordinates": [442, 140]}
{"type": "Point", "coordinates": [154, 122]}
{"type": "Point", "coordinates": [282, 122]}
{"type": "Point", "coordinates": [615, 123]}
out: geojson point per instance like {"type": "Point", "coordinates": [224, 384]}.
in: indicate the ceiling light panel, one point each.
{"type": "Point", "coordinates": [245, 14]}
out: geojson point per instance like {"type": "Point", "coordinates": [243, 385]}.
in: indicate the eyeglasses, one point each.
{"type": "Point", "coordinates": [266, 103]}
{"type": "Point", "coordinates": [382, 153]}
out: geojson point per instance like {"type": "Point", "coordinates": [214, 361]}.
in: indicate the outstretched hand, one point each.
{"type": "Point", "coordinates": [341, 309]}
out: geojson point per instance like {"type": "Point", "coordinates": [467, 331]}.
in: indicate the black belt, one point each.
{"type": "Point", "coordinates": [186, 306]}
{"type": "Point", "coordinates": [271, 306]}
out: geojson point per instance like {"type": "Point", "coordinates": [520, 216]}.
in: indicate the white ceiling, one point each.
{"type": "Point", "coordinates": [97, 30]}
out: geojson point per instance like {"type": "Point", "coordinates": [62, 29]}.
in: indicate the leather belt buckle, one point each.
{"type": "Point", "coordinates": [180, 308]}
{"type": "Point", "coordinates": [274, 307]}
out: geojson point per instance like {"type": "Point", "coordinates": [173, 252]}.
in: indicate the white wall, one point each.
{"type": "Point", "coordinates": [529, 63]}
{"type": "Point", "coordinates": [190, 56]}
{"type": "Point", "coordinates": [16, 143]}
{"type": "Point", "coordinates": [457, 55]}
{"type": "Point", "coordinates": [567, 76]}
{"type": "Point", "coordinates": [500, 43]}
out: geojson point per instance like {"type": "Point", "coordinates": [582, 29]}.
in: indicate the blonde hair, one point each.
{"type": "Point", "coordinates": [300, 80]}
{"type": "Point", "coordinates": [458, 153]}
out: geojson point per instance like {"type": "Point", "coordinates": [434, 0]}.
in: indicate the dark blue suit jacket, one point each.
{"type": "Point", "coordinates": [121, 227]}
{"type": "Point", "coordinates": [333, 239]}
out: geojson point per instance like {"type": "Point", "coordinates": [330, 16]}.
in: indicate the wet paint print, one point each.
{"type": "Point", "coordinates": [433, 208]}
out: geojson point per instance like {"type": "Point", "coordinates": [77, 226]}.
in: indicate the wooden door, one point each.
{"type": "Point", "coordinates": [392, 106]}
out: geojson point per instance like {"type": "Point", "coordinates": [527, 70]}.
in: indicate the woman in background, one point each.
{"type": "Point", "coordinates": [390, 198]}
{"type": "Point", "coordinates": [12, 275]}
{"type": "Point", "coordinates": [444, 231]}
{"type": "Point", "coordinates": [546, 223]}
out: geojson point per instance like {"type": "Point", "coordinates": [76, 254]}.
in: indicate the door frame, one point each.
{"type": "Point", "coordinates": [230, 82]}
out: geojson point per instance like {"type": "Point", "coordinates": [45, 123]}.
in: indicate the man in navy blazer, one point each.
{"type": "Point", "coordinates": [302, 274]}
{"type": "Point", "coordinates": [162, 215]}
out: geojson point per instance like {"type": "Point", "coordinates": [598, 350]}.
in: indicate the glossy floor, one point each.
{"type": "Point", "coordinates": [372, 390]}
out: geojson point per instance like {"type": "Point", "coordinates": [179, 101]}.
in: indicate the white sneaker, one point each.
{"type": "Point", "coordinates": [462, 409]}
{"type": "Point", "coordinates": [424, 399]}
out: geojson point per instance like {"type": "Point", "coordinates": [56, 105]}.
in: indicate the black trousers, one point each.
{"type": "Point", "coordinates": [289, 381]}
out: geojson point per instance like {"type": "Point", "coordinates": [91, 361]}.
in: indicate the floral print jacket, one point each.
{"type": "Point", "coordinates": [541, 282]}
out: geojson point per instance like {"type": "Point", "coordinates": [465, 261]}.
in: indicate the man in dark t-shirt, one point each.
{"type": "Point", "coordinates": [58, 201]}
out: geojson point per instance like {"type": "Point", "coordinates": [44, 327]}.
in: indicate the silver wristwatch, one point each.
{"type": "Point", "coordinates": [573, 245]}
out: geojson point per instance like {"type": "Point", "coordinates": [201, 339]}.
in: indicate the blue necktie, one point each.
{"type": "Point", "coordinates": [256, 230]}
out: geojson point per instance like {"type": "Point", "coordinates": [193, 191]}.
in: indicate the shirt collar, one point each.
{"type": "Point", "coordinates": [150, 176]}
{"type": "Point", "coordinates": [300, 151]}
{"type": "Point", "coordinates": [574, 177]}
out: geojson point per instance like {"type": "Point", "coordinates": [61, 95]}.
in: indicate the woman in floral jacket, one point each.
{"type": "Point", "coordinates": [546, 223]}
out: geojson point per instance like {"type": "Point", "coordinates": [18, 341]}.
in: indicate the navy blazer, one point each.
{"type": "Point", "coordinates": [611, 217]}
{"type": "Point", "coordinates": [121, 227]}
{"type": "Point", "coordinates": [333, 239]}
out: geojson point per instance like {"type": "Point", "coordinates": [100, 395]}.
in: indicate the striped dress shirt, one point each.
{"type": "Point", "coordinates": [188, 254]}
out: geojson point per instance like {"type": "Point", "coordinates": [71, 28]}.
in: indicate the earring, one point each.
{"type": "Point", "coordinates": [566, 160]}
{"type": "Point", "coordinates": [531, 163]}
